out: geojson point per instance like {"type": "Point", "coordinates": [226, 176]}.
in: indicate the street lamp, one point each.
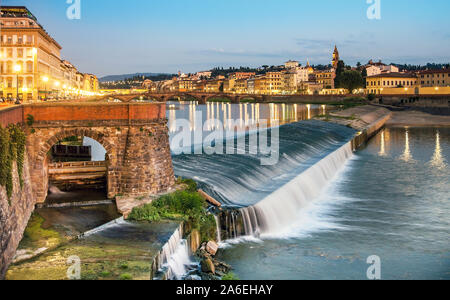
{"type": "Point", "coordinates": [17, 69]}
{"type": "Point", "coordinates": [45, 79]}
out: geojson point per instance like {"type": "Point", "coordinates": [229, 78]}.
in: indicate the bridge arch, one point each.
{"type": "Point", "coordinates": [41, 171]}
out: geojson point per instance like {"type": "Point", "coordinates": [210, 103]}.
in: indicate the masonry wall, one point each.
{"type": "Point", "coordinates": [14, 216]}
{"type": "Point", "coordinates": [11, 115]}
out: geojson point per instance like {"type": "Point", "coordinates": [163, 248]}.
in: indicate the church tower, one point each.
{"type": "Point", "coordinates": [336, 58]}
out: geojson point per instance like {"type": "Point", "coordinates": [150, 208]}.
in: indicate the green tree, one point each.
{"type": "Point", "coordinates": [339, 71]}
{"type": "Point", "coordinates": [364, 76]}
{"type": "Point", "coordinates": [351, 80]}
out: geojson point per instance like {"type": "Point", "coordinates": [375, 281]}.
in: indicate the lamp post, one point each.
{"type": "Point", "coordinates": [57, 83]}
{"type": "Point", "coordinates": [17, 69]}
{"type": "Point", "coordinates": [45, 79]}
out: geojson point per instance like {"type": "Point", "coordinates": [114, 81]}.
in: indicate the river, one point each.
{"type": "Point", "coordinates": [322, 218]}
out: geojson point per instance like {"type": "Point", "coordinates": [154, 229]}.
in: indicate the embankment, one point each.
{"type": "Point", "coordinates": [15, 210]}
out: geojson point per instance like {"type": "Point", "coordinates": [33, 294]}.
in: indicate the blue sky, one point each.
{"type": "Point", "coordinates": [115, 37]}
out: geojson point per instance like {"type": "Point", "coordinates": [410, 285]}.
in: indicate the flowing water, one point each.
{"type": "Point", "coordinates": [174, 260]}
{"type": "Point", "coordinates": [241, 180]}
{"type": "Point", "coordinates": [391, 199]}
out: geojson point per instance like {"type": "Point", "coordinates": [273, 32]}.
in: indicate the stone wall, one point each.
{"type": "Point", "coordinates": [14, 215]}
{"type": "Point", "coordinates": [11, 115]}
{"type": "Point", "coordinates": [138, 156]}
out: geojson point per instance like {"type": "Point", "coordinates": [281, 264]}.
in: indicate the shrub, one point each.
{"type": "Point", "coordinates": [126, 276]}
{"type": "Point", "coordinates": [230, 276]}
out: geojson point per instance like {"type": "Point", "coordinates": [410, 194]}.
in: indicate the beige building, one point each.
{"type": "Point", "coordinates": [289, 83]}
{"type": "Point", "coordinates": [326, 78]}
{"type": "Point", "coordinates": [30, 61]}
{"type": "Point", "coordinates": [380, 84]}
{"type": "Point", "coordinates": [273, 83]}
{"type": "Point", "coordinates": [434, 78]}
{"type": "Point", "coordinates": [291, 64]}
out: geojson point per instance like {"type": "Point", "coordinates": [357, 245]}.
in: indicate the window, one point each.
{"type": "Point", "coordinates": [29, 67]}
{"type": "Point", "coordinates": [20, 40]}
{"type": "Point", "coordinates": [10, 52]}
{"type": "Point", "coordinates": [9, 41]}
{"type": "Point", "coordinates": [20, 52]}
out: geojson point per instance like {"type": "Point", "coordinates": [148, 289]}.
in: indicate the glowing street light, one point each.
{"type": "Point", "coordinates": [45, 80]}
{"type": "Point", "coordinates": [17, 69]}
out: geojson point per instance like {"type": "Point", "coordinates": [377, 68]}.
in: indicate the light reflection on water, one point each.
{"type": "Point", "coordinates": [246, 114]}
{"type": "Point", "coordinates": [392, 200]}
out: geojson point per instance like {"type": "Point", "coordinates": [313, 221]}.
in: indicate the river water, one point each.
{"type": "Point", "coordinates": [322, 210]}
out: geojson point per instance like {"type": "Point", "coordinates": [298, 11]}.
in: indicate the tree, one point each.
{"type": "Point", "coordinates": [339, 71]}
{"type": "Point", "coordinates": [351, 80]}
{"type": "Point", "coordinates": [364, 76]}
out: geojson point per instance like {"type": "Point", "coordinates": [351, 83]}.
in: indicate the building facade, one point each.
{"type": "Point", "coordinates": [434, 78]}
{"type": "Point", "coordinates": [380, 84]}
{"type": "Point", "coordinates": [30, 61]}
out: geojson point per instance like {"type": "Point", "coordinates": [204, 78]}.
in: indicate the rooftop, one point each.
{"type": "Point", "coordinates": [435, 71]}
{"type": "Point", "coordinates": [393, 75]}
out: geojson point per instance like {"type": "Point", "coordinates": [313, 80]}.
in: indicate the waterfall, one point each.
{"type": "Point", "coordinates": [173, 262]}
{"type": "Point", "coordinates": [280, 209]}
{"type": "Point", "coordinates": [218, 229]}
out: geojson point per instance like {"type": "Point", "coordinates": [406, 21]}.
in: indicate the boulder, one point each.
{"type": "Point", "coordinates": [212, 248]}
{"type": "Point", "coordinates": [208, 266]}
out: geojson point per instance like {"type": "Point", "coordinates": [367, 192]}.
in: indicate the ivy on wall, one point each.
{"type": "Point", "coordinates": [12, 149]}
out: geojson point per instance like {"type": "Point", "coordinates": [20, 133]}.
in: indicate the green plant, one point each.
{"type": "Point", "coordinates": [30, 120]}
{"type": "Point", "coordinates": [123, 265]}
{"type": "Point", "coordinates": [230, 276]}
{"type": "Point", "coordinates": [126, 276]}
{"type": "Point", "coordinates": [12, 148]}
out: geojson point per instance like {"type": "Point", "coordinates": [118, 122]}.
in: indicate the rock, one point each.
{"type": "Point", "coordinates": [194, 240]}
{"type": "Point", "coordinates": [208, 266]}
{"type": "Point", "coordinates": [212, 248]}
{"type": "Point", "coordinates": [222, 267]}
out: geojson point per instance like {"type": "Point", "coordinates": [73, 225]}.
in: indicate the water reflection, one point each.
{"type": "Point", "coordinates": [244, 115]}
{"type": "Point", "coordinates": [382, 144]}
{"type": "Point", "coordinates": [407, 145]}
{"type": "Point", "coordinates": [438, 160]}
{"type": "Point", "coordinates": [406, 156]}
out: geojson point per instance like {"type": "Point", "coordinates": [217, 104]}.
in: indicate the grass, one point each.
{"type": "Point", "coordinates": [35, 236]}
{"type": "Point", "coordinates": [187, 205]}
{"type": "Point", "coordinates": [99, 261]}
{"type": "Point", "coordinates": [230, 276]}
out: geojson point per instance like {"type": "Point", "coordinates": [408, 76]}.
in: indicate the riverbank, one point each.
{"type": "Point", "coordinates": [123, 251]}
{"type": "Point", "coordinates": [417, 119]}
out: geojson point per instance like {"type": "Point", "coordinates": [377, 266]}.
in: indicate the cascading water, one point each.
{"type": "Point", "coordinates": [280, 209]}
{"type": "Point", "coordinates": [174, 262]}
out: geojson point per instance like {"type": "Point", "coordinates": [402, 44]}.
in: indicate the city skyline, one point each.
{"type": "Point", "coordinates": [202, 35]}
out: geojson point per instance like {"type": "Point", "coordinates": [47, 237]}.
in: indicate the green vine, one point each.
{"type": "Point", "coordinates": [12, 148]}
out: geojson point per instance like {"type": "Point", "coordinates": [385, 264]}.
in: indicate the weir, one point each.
{"type": "Point", "coordinates": [276, 212]}
{"type": "Point", "coordinates": [280, 209]}
{"type": "Point", "coordinates": [173, 261]}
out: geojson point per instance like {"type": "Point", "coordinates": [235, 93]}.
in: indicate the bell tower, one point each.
{"type": "Point", "coordinates": [336, 57]}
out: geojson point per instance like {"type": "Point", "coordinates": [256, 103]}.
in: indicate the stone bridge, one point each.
{"type": "Point", "coordinates": [201, 97]}
{"type": "Point", "coordinates": [134, 135]}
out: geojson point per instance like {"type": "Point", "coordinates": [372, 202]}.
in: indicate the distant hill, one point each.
{"type": "Point", "coordinates": [125, 76]}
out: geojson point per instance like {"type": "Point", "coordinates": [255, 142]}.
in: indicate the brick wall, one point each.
{"type": "Point", "coordinates": [11, 115]}
{"type": "Point", "coordinates": [95, 111]}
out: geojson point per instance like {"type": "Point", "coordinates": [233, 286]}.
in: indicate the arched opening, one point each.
{"type": "Point", "coordinates": [76, 165]}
